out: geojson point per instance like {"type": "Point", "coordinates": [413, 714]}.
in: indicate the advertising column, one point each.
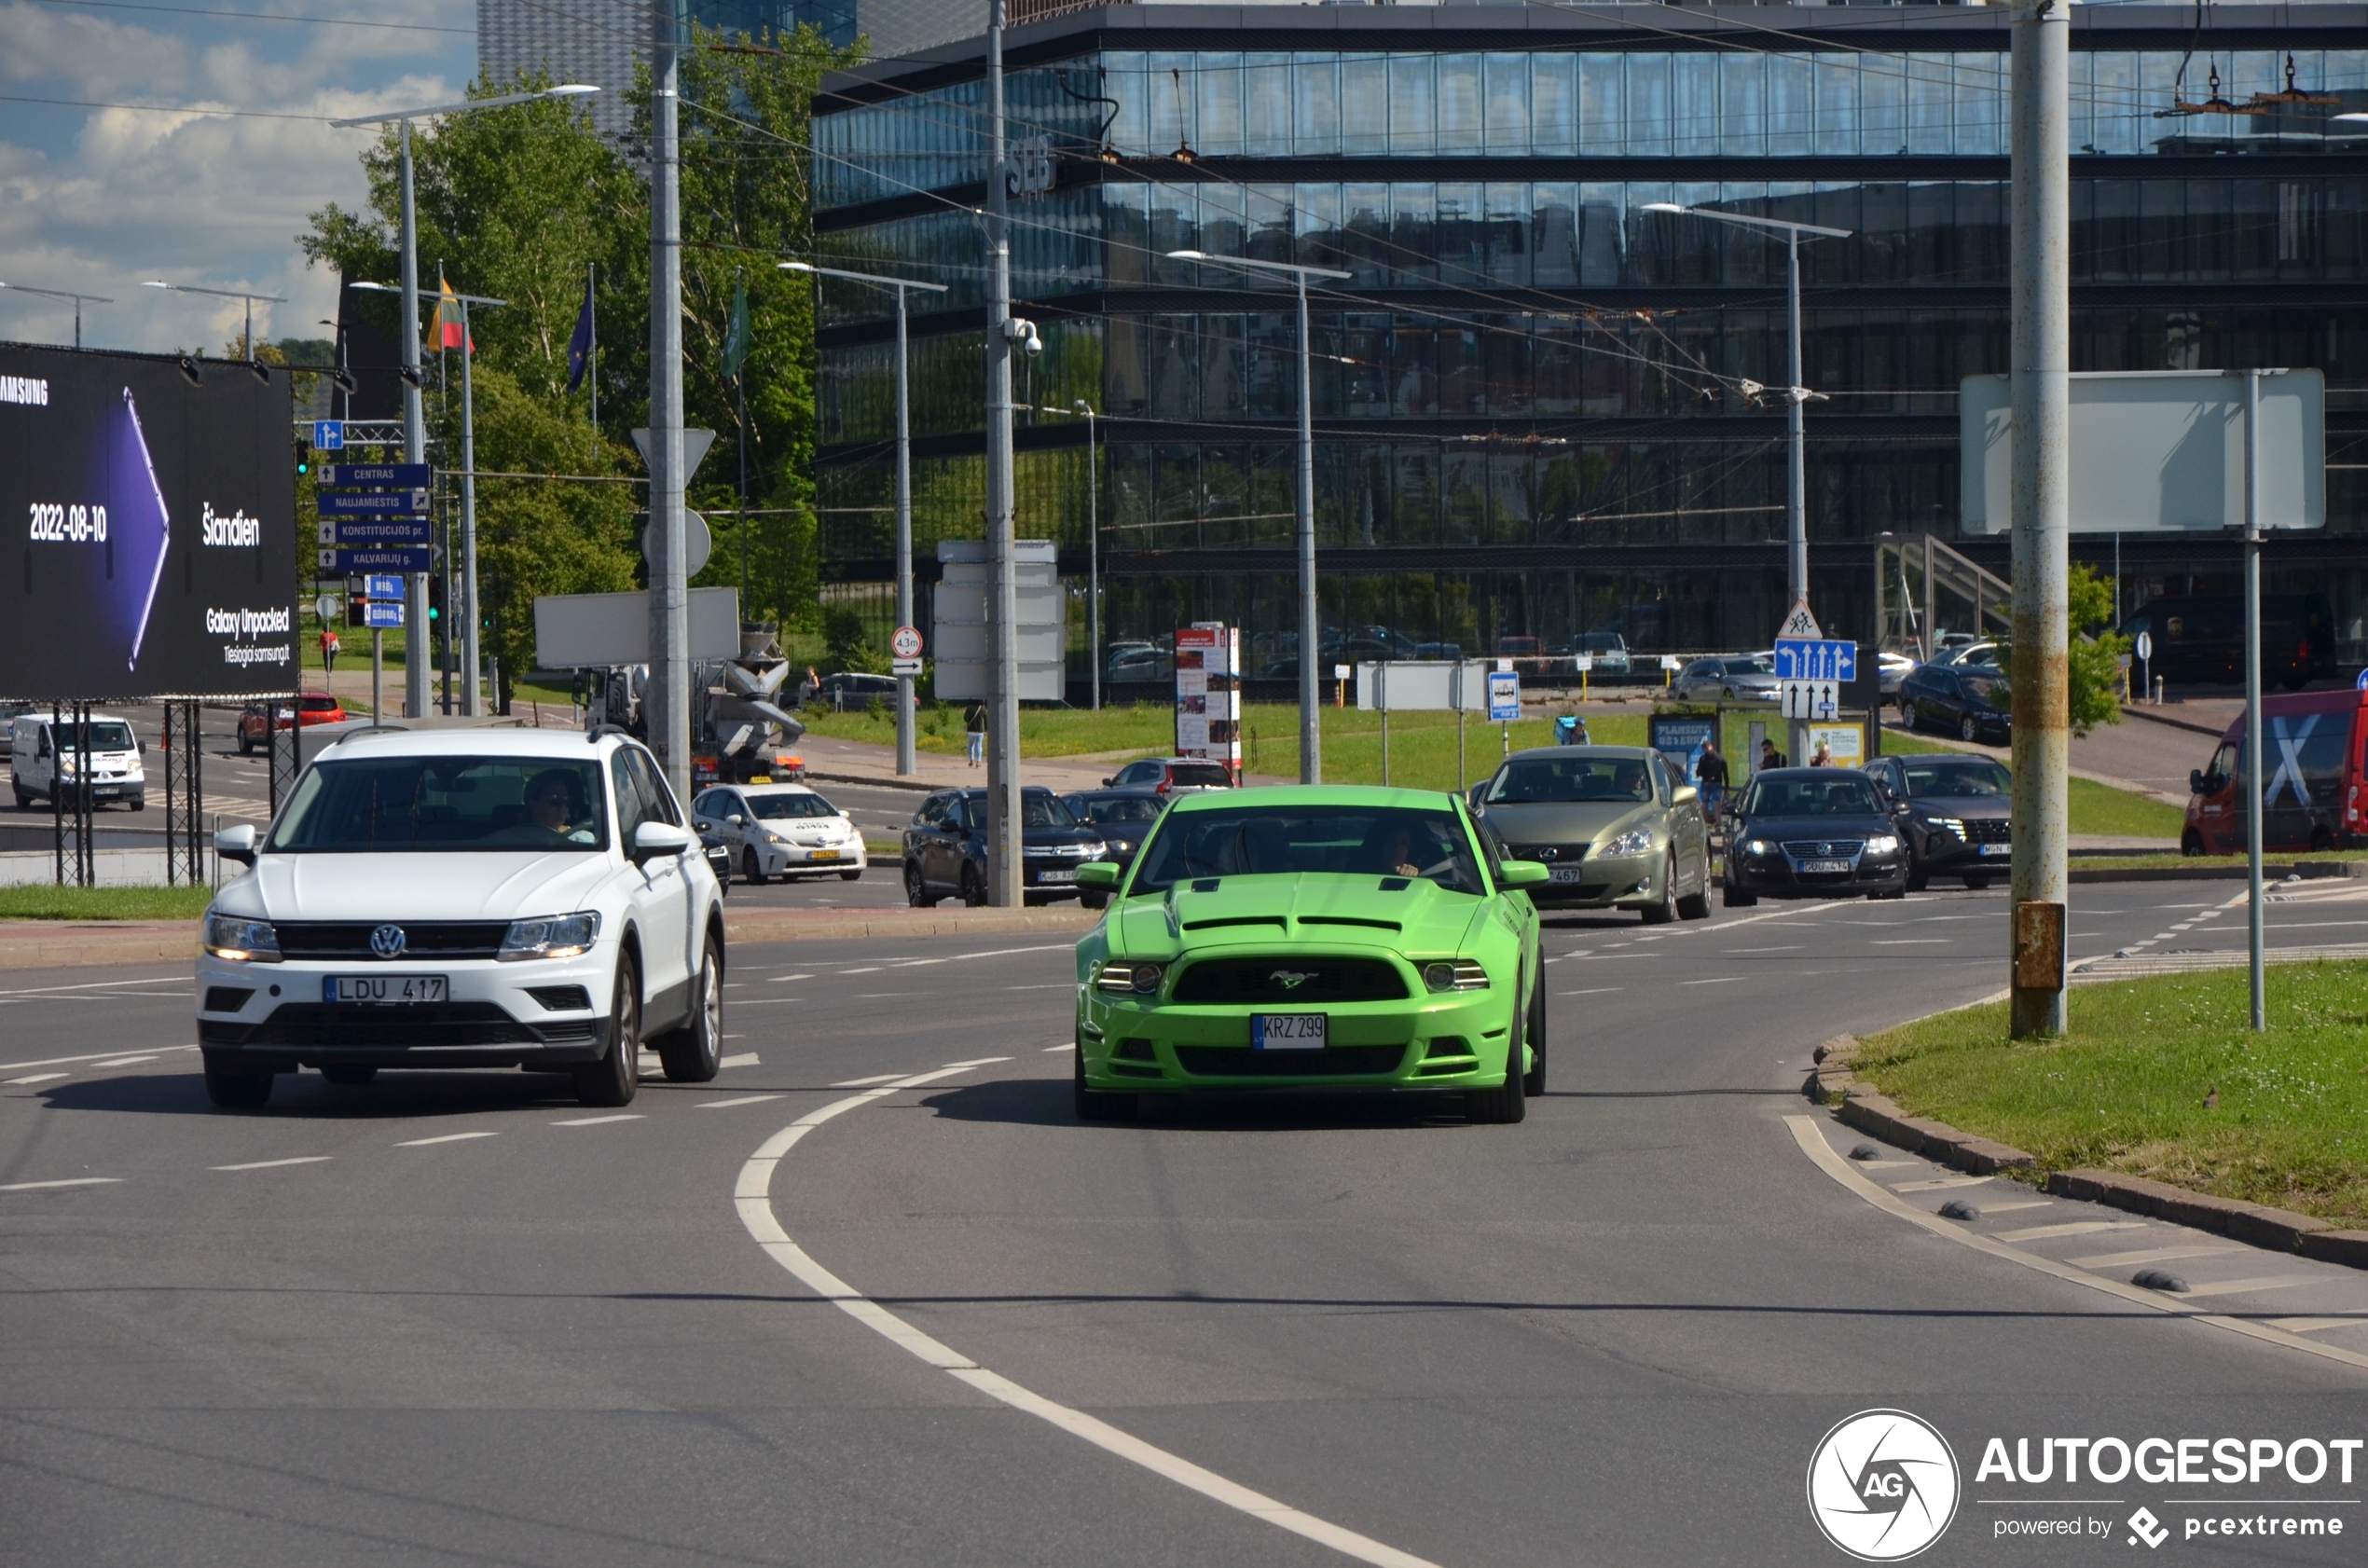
{"type": "Point", "coordinates": [1208, 694]}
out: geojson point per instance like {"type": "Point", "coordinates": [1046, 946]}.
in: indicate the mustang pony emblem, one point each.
{"type": "Point", "coordinates": [1291, 978]}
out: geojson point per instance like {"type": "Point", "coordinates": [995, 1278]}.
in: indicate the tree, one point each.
{"type": "Point", "coordinates": [2093, 669]}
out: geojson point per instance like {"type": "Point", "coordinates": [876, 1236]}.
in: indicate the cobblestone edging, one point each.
{"type": "Point", "coordinates": [2274, 1229]}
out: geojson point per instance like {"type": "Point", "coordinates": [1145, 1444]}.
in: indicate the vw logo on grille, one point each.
{"type": "Point", "coordinates": [1822, 849]}
{"type": "Point", "coordinates": [388, 942]}
{"type": "Point", "coordinates": [1291, 980]}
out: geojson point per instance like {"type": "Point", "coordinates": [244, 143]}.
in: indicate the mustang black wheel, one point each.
{"type": "Point", "coordinates": [1100, 1105]}
{"type": "Point", "coordinates": [1533, 1081]}
{"type": "Point", "coordinates": [613, 1080]}
{"type": "Point", "coordinates": [1506, 1103]}
{"type": "Point", "coordinates": [695, 1053]}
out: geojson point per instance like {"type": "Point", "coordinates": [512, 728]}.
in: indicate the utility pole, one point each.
{"type": "Point", "coordinates": [1003, 858]}
{"type": "Point", "coordinates": [2040, 392]}
{"type": "Point", "coordinates": [1092, 551]}
{"type": "Point", "coordinates": [419, 644]}
{"type": "Point", "coordinates": [666, 707]}
{"type": "Point", "coordinates": [2254, 805]}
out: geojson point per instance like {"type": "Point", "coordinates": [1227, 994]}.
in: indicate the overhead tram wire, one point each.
{"type": "Point", "coordinates": [256, 16]}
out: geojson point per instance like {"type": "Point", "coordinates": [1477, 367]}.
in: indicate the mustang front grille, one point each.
{"type": "Point", "coordinates": [1290, 982]}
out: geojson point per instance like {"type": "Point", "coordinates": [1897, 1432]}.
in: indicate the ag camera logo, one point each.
{"type": "Point", "coordinates": [1883, 1485]}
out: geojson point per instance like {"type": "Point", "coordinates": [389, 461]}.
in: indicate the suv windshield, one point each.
{"type": "Point", "coordinates": [1971, 776]}
{"type": "Point", "coordinates": [1248, 841]}
{"type": "Point", "coordinates": [1571, 778]}
{"type": "Point", "coordinates": [775, 806]}
{"type": "Point", "coordinates": [1847, 795]}
{"type": "Point", "coordinates": [412, 804]}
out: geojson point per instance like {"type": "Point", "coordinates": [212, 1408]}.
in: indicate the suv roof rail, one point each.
{"type": "Point", "coordinates": [592, 736]}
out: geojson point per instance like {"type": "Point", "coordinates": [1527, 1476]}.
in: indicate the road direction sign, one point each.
{"type": "Point", "coordinates": [1810, 699]}
{"type": "Point", "coordinates": [382, 614]}
{"type": "Point", "coordinates": [382, 587]}
{"type": "Point", "coordinates": [375, 475]}
{"type": "Point", "coordinates": [1823, 659]}
{"type": "Point", "coordinates": [342, 561]}
{"type": "Point", "coordinates": [1504, 695]}
{"type": "Point", "coordinates": [328, 435]}
{"type": "Point", "coordinates": [369, 534]}
{"type": "Point", "coordinates": [905, 642]}
{"type": "Point", "coordinates": [374, 504]}
{"type": "Point", "coordinates": [905, 666]}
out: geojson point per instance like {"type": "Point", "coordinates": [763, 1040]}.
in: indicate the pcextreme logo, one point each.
{"type": "Point", "coordinates": [1882, 1485]}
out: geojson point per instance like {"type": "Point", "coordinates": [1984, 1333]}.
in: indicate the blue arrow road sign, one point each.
{"type": "Point", "coordinates": [374, 504]}
{"type": "Point", "coordinates": [328, 435]}
{"type": "Point", "coordinates": [375, 475]}
{"type": "Point", "coordinates": [362, 534]}
{"type": "Point", "coordinates": [346, 561]}
{"type": "Point", "coordinates": [1825, 659]}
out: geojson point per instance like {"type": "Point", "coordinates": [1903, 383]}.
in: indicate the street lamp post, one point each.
{"type": "Point", "coordinates": [415, 427]}
{"type": "Point", "coordinates": [1311, 760]}
{"type": "Point", "coordinates": [65, 293]}
{"type": "Point", "coordinates": [253, 358]}
{"type": "Point", "coordinates": [1796, 458]}
{"type": "Point", "coordinates": [906, 760]}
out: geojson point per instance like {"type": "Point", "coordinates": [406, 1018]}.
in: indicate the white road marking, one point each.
{"type": "Point", "coordinates": [2150, 1255]}
{"type": "Point", "coordinates": [753, 1198]}
{"type": "Point", "coordinates": [448, 1137]}
{"type": "Point", "coordinates": [2264, 1282]}
{"type": "Point", "coordinates": [1715, 980]}
{"type": "Point", "coordinates": [1911, 941]}
{"type": "Point", "coordinates": [743, 1059]}
{"type": "Point", "coordinates": [957, 957]}
{"type": "Point", "coordinates": [743, 1100]}
{"type": "Point", "coordinates": [92, 1056]}
{"type": "Point", "coordinates": [764, 1001]}
{"type": "Point", "coordinates": [74, 1181]}
{"type": "Point", "coordinates": [273, 1165]}
{"type": "Point", "coordinates": [781, 978]}
{"type": "Point", "coordinates": [1048, 1051]}
{"type": "Point", "coordinates": [1064, 986]}
{"type": "Point", "coordinates": [1791, 947]}
{"type": "Point", "coordinates": [860, 1082]}
{"type": "Point", "coordinates": [98, 986]}
{"type": "Point", "coordinates": [2076, 1227]}
{"type": "Point", "coordinates": [868, 968]}
{"type": "Point", "coordinates": [122, 1061]}
{"type": "Point", "coordinates": [1591, 991]}
{"type": "Point", "coordinates": [2313, 1325]}
{"type": "Point", "coordinates": [37, 1078]}
{"type": "Point", "coordinates": [2026, 1204]}
{"type": "Point", "coordinates": [600, 1120]}
{"type": "Point", "coordinates": [1937, 1183]}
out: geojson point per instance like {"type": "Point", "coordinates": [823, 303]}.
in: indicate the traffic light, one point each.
{"type": "Point", "coordinates": [435, 598]}
{"type": "Point", "coordinates": [304, 455]}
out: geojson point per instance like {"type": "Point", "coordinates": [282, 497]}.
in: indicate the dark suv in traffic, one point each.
{"type": "Point", "coordinates": [1952, 810]}
{"type": "Point", "coordinates": [945, 849]}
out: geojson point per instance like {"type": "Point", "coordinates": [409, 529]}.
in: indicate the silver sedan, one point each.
{"type": "Point", "coordinates": [1728, 677]}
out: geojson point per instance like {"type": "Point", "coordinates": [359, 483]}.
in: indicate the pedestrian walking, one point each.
{"type": "Point", "coordinates": [974, 723]}
{"type": "Point", "coordinates": [1768, 756]}
{"type": "Point", "coordinates": [330, 649]}
{"type": "Point", "coordinates": [1710, 776]}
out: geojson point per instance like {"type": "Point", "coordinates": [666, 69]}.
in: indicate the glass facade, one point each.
{"type": "Point", "coordinates": [1540, 406]}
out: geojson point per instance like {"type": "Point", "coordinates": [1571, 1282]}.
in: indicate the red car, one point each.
{"type": "Point", "coordinates": [311, 707]}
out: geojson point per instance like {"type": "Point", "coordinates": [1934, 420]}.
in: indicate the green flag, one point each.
{"type": "Point", "coordinates": [736, 336]}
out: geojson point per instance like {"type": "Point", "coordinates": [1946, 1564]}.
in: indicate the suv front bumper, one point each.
{"type": "Point", "coordinates": [275, 1017]}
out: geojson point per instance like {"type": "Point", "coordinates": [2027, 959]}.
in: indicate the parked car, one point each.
{"type": "Point", "coordinates": [2313, 781]}
{"type": "Point", "coordinates": [1124, 817]}
{"type": "Point", "coordinates": [1971, 703]}
{"type": "Point", "coordinates": [1140, 663]}
{"type": "Point", "coordinates": [945, 849]}
{"type": "Point", "coordinates": [1980, 654]}
{"type": "Point", "coordinates": [781, 829]}
{"type": "Point", "coordinates": [1608, 648]}
{"type": "Point", "coordinates": [1313, 938]}
{"type": "Point", "coordinates": [1729, 678]}
{"type": "Point", "coordinates": [853, 689]}
{"type": "Point", "coordinates": [1889, 670]}
{"type": "Point", "coordinates": [35, 767]}
{"type": "Point", "coordinates": [465, 898]}
{"type": "Point", "coordinates": [1812, 833]}
{"type": "Point", "coordinates": [1953, 812]}
{"type": "Point", "coordinates": [2199, 638]}
{"type": "Point", "coordinates": [1167, 776]}
{"type": "Point", "coordinates": [1614, 826]}
{"type": "Point", "coordinates": [311, 707]}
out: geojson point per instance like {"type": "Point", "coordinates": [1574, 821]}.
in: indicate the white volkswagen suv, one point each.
{"type": "Point", "coordinates": [465, 898]}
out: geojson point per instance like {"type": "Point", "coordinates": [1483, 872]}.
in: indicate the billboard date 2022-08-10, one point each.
{"type": "Point", "coordinates": [155, 527]}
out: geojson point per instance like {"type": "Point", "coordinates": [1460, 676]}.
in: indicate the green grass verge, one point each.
{"type": "Point", "coordinates": [2275, 864]}
{"type": "Point", "coordinates": [43, 901]}
{"type": "Point", "coordinates": [2125, 1090]}
{"type": "Point", "coordinates": [2095, 808]}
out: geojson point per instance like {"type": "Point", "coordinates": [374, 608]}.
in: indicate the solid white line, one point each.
{"type": "Point", "coordinates": [743, 1100]}
{"type": "Point", "coordinates": [745, 1059]}
{"type": "Point", "coordinates": [600, 1120]}
{"type": "Point", "coordinates": [93, 1056]}
{"type": "Point", "coordinates": [861, 1082]}
{"type": "Point", "coordinates": [37, 1078]}
{"type": "Point", "coordinates": [75, 1181]}
{"type": "Point", "coordinates": [448, 1137]}
{"type": "Point", "coordinates": [1715, 980]}
{"type": "Point", "coordinates": [753, 1198]}
{"type": "Point", "coordinates": [123, 1062]}
{"type": "Point", "coordinates": [99, 986]}
{"type": "Point", "coordinates": [272, 1164]}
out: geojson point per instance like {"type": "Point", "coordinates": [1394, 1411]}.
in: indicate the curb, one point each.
{"type": "Point", "coordinates": [2307, 871]}
{"type": "Point", "coordinates": [2156, 716]}
{"type": "Point", "coordinates": [2273, 1229]}
{"type": "Point", "coordinates": [57, 944]}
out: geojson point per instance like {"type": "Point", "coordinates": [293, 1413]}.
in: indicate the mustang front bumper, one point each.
{"type": "Point", "coordinates": [1454, 1039]}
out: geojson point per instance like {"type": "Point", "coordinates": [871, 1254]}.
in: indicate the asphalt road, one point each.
{"type": "Point", "coordinates": [460, 1319]}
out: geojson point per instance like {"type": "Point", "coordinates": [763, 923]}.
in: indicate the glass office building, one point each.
{"type": "Point", "coordinates": [1539, 407]}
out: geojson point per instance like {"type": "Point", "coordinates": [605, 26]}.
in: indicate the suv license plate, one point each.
{"type": "Point", "coordinates": [1057, 877]}
{"type": "Point", "coordinates": [384, 990]}
{"type": "Point", "coordinates": [1997, 849]}
{"type": "Point", "coordinates": [1824, 868]}
{"type": "Point", "coordinates": [1288, 1031]}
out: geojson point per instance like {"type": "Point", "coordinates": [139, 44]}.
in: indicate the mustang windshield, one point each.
{"type": "Point", "coordinates": [1571, 778]}
{"type": "Point", "coordinates": [414, 805]}
{"type": "Point", "coordinates": [1849, 795]}
{"type": "Point", "coordinates": [1250, 840]}
{"type": "Point", "coordinates": [1974, 775]}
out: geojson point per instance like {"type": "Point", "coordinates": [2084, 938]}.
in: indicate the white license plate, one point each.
{"type": "Point", "coordinates": [1057, 877]}
{"type": "Point", "coordinates": [1996, 849]}
{"type": "Point", "coordinates": [1288, 1031]}
{"type": "Point", "coordinates": [384, 990]}
{"type": "Point", "coordinates": [1562, 874]}
{"type": "Point", "coordinates": [1824, 868]}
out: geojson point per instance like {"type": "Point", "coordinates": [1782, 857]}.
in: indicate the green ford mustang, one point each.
{"type": "Point", "coordinates": [1325, 937]}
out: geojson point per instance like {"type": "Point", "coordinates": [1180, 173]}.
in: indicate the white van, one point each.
{"type": "Point", "coordinates": [115, 772]}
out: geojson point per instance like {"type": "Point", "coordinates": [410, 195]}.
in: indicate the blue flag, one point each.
{"type": "Point", "coordinates": [579, 346]}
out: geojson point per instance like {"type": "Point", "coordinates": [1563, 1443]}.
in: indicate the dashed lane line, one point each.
{"type": "Point", "coordinates": [275, 1164]}
{"type": "Point", "coordinates": [1592, 991]}
{"type": "Point", "coordinates": [862, 1082]}
{"type": "Point", "coordinates": [743, 1059]}
{"type": "Point", "coordinates": [743, 1100]}
{"type": "Point", "coordinates": [1715, 980]}
{"type": "Point", "coordinates": [447, 1137]}
{"type": "Point", "coordinates": [37, 1078]}
{"type": "Point", "coordinates": [91, 1056]}
{"type": "Point", "coordinates": [753, 1197]}
{"type": "Point", "coordinates": [122, 1061]}
{"type": "Point", "coordinates": [97, 985]}
{"type": "Point", "coordinates": [70, 1181]}
{"type": "Point", "coordinates": [600, 1120]}
{"type": "Point", "coordinates": [1048, 1051]}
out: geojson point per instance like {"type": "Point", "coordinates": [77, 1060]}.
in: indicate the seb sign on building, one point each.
{"type": "Point", "coordinates": [1208, 694]}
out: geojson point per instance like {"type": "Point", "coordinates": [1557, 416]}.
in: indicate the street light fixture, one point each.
{"type": "Point", "coordinates": [253, 358]}
{"type": "Point", "coordinates": [1311, 763]}
{"type": "Point", "coordinates": [415, 435]}
{"type": "Point", "coordinates": [65, 293]}
{"type": "Point", "coordinates": [1796, 458]}
{"type": "Point", "coordinates": [906, 760]}
{"type": "Point", "coordinates": [468, 605]}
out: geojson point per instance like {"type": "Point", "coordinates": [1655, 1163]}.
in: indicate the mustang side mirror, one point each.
{"type": "Point", "coordinates": [1098, 874]}
{"type": "Point", "coordinates": [652, 840]}
{"type": "Point", "coordinates": [1524, 873]}
{"type": "Point", "coordinates": [235, 843]}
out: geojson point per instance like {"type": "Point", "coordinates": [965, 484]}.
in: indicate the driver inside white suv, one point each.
{"type": "Point", "coordinates": [465, 898]}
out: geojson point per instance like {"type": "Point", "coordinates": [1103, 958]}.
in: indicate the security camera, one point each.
{"type": "Point", "coordinates": [1035, 345]}
{"type": "Point", "coordinates": [1023, 332]}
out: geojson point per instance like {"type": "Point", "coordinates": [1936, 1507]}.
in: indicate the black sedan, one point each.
{"type": "Point", "coordinates": [1812, 833]}
{"type": "Point", "coordinates": [1954, 811]}
{"type": "Point", "coordinates": [1969, 701]}
{"type": "Point", "coordinates": [945, 849]}
{"type": "Point", "coordinates": [1124, 817]}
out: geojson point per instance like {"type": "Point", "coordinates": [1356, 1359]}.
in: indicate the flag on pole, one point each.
{"type": "Point", "coordinates": [447, 320]}
{"type": "Point", "coordinates": [736, 336]}
{"type": "Point", "coordinates": [579, 346]}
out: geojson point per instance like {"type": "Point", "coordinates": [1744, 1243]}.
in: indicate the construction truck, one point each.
{"type": "Point", "coordinates": [739, 732]}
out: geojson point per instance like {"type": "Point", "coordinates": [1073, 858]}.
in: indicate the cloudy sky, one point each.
{"type": "Point", "coordinates": [97, 200]}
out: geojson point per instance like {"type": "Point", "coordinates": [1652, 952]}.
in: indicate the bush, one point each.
{"type": "Point", "coordinates": [847, 647]}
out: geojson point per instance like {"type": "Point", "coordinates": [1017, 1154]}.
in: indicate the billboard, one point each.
{"type": "Point", "coordinates": [154, 527]}
{"type": "Point", "coordinates": [1208, 694]}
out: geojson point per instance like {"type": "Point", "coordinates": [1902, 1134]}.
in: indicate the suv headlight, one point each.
{"type": "Point", "coordinates": [241, 941]}
{"type": "Point", "coordinates": [1947, 825]}
{"type": "Point", "coordinates": [1464, 974]}
{"type": "Point", "coordinates": [1633, 841]}
{"type": "Point", "coordinates": [560, 936]}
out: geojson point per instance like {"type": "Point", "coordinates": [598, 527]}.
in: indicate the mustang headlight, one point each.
{"type": "Point", "coordinates": [1142, 979]}
{"type": "Point", "coordinates": [1633, 841]}
{"type": "Point", "coordinates": [562, 936]}
{"type": "Point", "coordinates": [1464, 974]}
{"type": "Point", "coordinates": [1882, 843]}
{"type": "Point", "coordinates": [246, 942]}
